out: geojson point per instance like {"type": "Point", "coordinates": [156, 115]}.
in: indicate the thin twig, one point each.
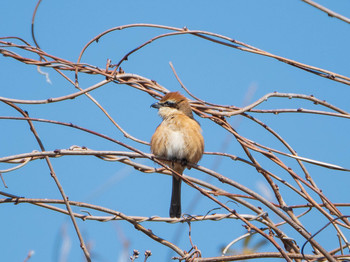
{"type": "Point", "coordinates": [329, 12]}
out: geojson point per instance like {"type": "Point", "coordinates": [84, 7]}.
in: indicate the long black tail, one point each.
{"type": "Point", "coordinates": [175, 205]}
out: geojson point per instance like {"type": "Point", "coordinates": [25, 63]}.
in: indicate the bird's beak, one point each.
{"type": "Point", "coordinates": [155, 105]}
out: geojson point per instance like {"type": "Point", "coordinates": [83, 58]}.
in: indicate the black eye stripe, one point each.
{"type": "Point", "coordinates": [169, 104]}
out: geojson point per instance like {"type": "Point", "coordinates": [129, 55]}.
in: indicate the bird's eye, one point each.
{"type": "Point", "coordinates": [169, 103]}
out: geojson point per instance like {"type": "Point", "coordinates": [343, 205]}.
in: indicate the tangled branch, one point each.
{"type": "Point", "coordinates": [260, 207]}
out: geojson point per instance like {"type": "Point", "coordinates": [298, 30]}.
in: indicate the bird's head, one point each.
{"type": "Point", "coordinates": [173, 103]}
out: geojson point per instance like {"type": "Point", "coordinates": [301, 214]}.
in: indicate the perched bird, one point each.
{"type": "Point", "coordinates": [177, 141]}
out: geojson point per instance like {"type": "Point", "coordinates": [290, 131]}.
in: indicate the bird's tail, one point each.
{"type": "Point", "coordinates": [175, 205]}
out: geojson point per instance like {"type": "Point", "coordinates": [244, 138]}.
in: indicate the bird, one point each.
{"type": "Point", "coordinates": [177, 141]}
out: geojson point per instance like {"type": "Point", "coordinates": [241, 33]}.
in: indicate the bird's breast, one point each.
{"type": "Point", "coordinates": [178, 138]}
{"type": "Point", "coordinates": [175, 145]}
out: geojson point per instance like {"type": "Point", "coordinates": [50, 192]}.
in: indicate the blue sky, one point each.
{"type": "Point", "coordinates": [213, 72]}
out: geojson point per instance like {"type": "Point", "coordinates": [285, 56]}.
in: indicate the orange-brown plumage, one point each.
{"type": "Point", "coordinates": [178, 139]}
